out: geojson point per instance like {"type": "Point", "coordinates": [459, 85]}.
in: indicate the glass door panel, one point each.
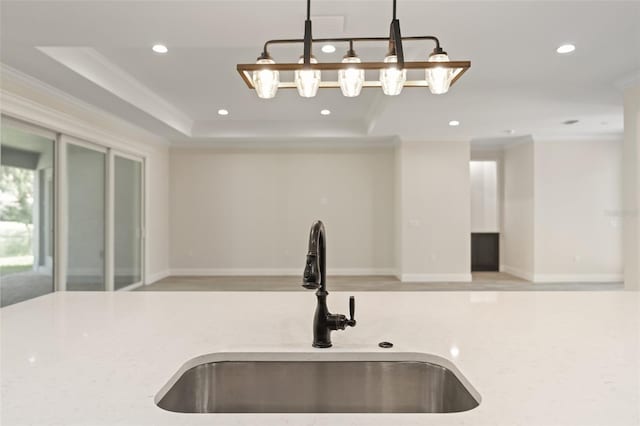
{"type": "Point", "coordinates": [127, 244]}
{"type": "Point", "coordinates": [26, 214]}
{"type": "Point", "coordinates": [86, 212]}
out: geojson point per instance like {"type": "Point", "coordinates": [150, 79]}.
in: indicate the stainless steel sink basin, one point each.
{"type": "Point", "coordinates": [309, 383]}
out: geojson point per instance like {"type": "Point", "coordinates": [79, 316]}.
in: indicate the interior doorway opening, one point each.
{"type": "Point", "coordinates": [485, 216]}
{"type": "Point", "coordinates": [26, 215]}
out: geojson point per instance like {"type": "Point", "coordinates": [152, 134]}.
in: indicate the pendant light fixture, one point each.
{"type": "Point", "coordinates": [351, 79]}
{"type": "Point", "coordinates": [307, 80]}
{"type": "Point", "coordinates": [438, 72]}
{"type": "Point", "coordinates": [392, 78]}
{"type": "Point", "coordinates": [266, 81]}
{"type": "Point", "coordinates": [439, 78]}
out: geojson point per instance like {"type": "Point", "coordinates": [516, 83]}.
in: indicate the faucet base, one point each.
{"type": "Point", "coordinates": [321, 345]}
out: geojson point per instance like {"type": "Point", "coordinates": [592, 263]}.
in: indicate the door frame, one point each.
{"type": "Point", "coordinates": [62, 211]}
{"type": "Point", "coordinates": [63, 143]}
{"type": "Point", "coordinates": [47, 121]}
{"type": "Point", "coordinates": [112, 154]}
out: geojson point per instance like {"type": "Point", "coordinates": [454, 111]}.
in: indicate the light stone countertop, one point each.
{"type": "Point", "coordinates": [536, 358]}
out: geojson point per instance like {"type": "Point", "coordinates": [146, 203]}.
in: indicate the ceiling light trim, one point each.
{"type": "Point", "coordinates": [565, 49]}
{"type": "Point", "coordinates": [328, 48]}
{"type": "Point", "coordinates": [160, 49]}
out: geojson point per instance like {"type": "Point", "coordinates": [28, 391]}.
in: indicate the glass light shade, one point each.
{"type": "Point", "coordinates": [307, 81]}
{"type": "Point", "coordinates": [266, 81]}
{"type": "Point", "coordinates": [392, 78]}
{"type": "Point", "coordinates": [439, 78]}
{"type": "Point", "coordinates": [351, 79]}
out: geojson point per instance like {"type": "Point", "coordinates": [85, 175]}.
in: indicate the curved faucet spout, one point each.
{"type": "Point", "coordinates": [315, 271]}
{"type": "Point", "coordinates": [315, 277]}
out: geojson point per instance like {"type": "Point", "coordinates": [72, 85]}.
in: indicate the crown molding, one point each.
{"type": "Point", "coordinates": [597, 137]}
{"type": "Point", "coordinates": [90, 64]}
{"type": "Point", "coordinates": [25, 98]}
{"type": "Point", "coordinates": [290, 143]}
{"type": "Point", "coordinates": [628, 81]}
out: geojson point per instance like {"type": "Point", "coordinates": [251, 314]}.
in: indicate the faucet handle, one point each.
{"type": "Point", "coordinates": [351, 322]}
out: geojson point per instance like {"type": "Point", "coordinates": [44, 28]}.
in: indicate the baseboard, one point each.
{"type": "Point", "coordinates": [562, 278]}
{"type": "Point", "coordinates": [517, 272]}
{"type": "Point", "coordinates": [131, 287]}
{"type": "Point", "coordinates": [252, 272]}
{"type": "Point", "coordinates": [578, 278]}
{"type": "Point", "coordinates": [457, 278]}
{"type": "Point", "coordinates": [152, 278]}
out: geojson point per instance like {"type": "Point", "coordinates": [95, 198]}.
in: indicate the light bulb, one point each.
{"type": "Point", "coordinates": [307, 81]}
{"type": "Point", "coordinates": [351, 79]}
{"type": "Point", "coordinates": [439, 78]}
{"type": "Point", "coordinates": [392, 78]}
{"type": "Point", "coordinates": [266, 81]}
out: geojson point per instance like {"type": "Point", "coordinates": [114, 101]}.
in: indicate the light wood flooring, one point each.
{"type": "Point", "coordinates": [482, 281]}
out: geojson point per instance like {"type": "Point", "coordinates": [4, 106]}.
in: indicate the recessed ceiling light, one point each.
{"type": "Point", "coordinates": [454, 123]}
{"type": "Point", "coordinates": [509, 131]}
{"type": "Point", "coordinates": [454, 351]}
{"type": "Point", "coordinates": [160, 48]}
{"type": "Point", "coordinates": [223, 112]}
{"type": "Point", "coordinates": [325, 112]}
{"type": "Point", "coordinates": [328, 48]}
{"type": "Point", "coordinates": [566, 48]}
{"type": "Point", "coordinates": [570, 122]}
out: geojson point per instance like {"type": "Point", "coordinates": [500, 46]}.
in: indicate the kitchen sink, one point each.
{"type": "Point", "coordinates": [318, 383]}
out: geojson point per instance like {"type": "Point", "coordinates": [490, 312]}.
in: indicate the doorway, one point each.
{"type": "Point", "coordinates": [485, 216]}
{"type": "Point", "coordinates": [71, 214]}
{"type": "Point", "coordinates": [27, 169]}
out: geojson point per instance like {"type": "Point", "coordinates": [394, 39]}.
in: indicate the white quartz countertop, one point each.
{"type": "Point", "coordinates": [536, 358]}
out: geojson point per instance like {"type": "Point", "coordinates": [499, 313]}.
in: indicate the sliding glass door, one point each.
{"type": "Point", "coordinates": [70, 207]}
{"type": "Point", "coordinates": [27, 172]}
{"type": "Point", "coordinates": [128, 218]}
{"type": "Point", "coordinates": [86, 183]}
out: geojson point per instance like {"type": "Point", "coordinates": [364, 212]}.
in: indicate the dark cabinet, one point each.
{"type": "Point", "coordinates": [485, 251]}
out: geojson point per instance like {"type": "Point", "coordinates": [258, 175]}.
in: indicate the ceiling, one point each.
{"type": "Point", "coordinates": [100, 52]}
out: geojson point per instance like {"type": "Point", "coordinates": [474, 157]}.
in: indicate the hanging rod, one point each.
{"type": "Point", "coordinates": [265, 52]}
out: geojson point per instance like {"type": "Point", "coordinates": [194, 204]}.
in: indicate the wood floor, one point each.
{"type": "Point", "coordinates": [482, 281]}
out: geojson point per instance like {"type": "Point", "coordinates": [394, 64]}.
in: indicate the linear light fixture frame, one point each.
{"type": "Point", "coordinates": [395, 41]}
{"type": "Point", "coordinates": [245, 71]}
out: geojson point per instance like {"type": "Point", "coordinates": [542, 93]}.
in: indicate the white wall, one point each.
{"type": "Point", "coordinates": [631, 210]}
{"type": "Point", "coordinates": [157, 214]}
{"type": "Point", "coordinates": [561, 204]}
{"type": "Point", "coordinates": [398, 219]}
{"type": "Point", "coordinates": [249, 211]}
{"type": "Point", "coordinates": [484, 196]}
{"type": "Point", "coordinates": [518, 220]}
{"type": "Point", "coordinates": [578, 194]}
{"type": "Point", "coordinates": [435, 223]}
